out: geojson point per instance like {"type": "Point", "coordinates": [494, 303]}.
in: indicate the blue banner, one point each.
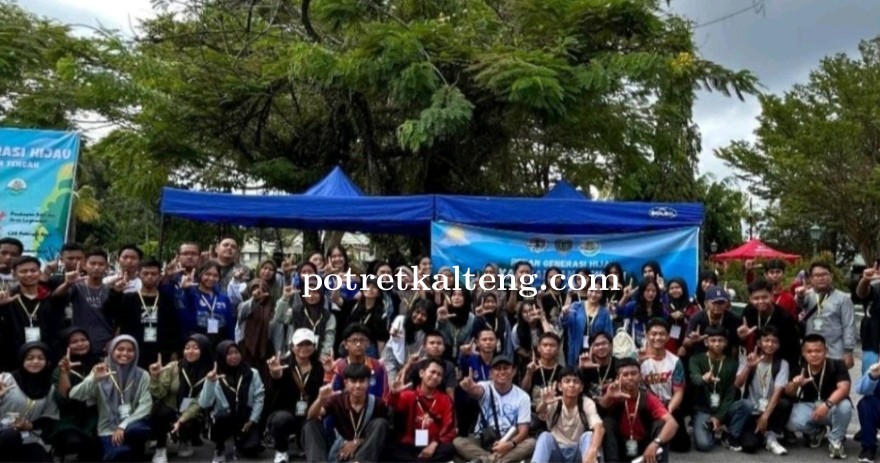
{"type": "Point", "coordinates": [37, 169]}
{"type": "Point", "coordinates": [474, 247]}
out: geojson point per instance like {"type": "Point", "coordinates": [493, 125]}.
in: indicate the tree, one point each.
{"type": "Point", "coordinates": [725, 210]}
{"type": "Point", "coordinates": [817, 154]}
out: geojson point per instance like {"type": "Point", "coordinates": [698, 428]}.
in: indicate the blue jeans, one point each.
{"type": "Point", "coordinates": [547, 449]}
{"type": "Point", "coordinates": [735, 419]}
{"type": "Point", "coordinates": [132, 448]}
{"type": "Point", "coordinates": [838, 417]}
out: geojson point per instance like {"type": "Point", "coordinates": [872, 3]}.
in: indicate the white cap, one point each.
{"type": "Point", "coordinates": [303, 334]}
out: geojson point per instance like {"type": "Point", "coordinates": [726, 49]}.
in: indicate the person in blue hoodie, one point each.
{"type": "Point", "coordinates": [869, 412]}
{"type": "Point", "coordinates": [207, 310]}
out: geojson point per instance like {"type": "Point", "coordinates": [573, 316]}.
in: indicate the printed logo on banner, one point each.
{"type": "Point", "coordinates": [16, 186]}
{"type": "Point", "coordinates": [590, 248]}
{"type": "Point", "coordinates": [563, 246]}
{"type": "Point", "coordinates": [663, 213]}
{"type": "Point", "coordinates": [537, 245]}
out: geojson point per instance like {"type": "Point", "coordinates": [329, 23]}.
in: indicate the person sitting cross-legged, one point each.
{"type": "Point", "coordinates": [869, 412]}
{"type": "Point", "coordinates": [575, 430]}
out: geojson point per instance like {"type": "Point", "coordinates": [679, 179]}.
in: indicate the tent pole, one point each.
{"type": "Point", "coordinates": [260, 246]}
{"type": "Point", "coordinates": [161, 236]}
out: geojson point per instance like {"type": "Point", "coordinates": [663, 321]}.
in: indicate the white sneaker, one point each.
{"type": "Point", "coordinates": [219, 456]}
{"type": "Point", "coordinates": [774, 446]}
{"type": "Point", "coordinates": [185, 450]}
{"type": "Point", "coordinates": [835, 450]}
{"type": "Point", "coordinates": [281, 457]}
{"type": "Point", "coordinates": [161, 456]}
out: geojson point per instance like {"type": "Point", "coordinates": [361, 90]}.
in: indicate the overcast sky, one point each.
{"type": "Point", "coordinates": [779, 40]}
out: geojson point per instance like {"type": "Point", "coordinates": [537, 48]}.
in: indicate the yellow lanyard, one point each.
{"type": "Point", "coordinates": [301, 381]}
{"type": "Point", "coordinates": [766, 322]}
{"type": "Point", "coordinates": [119, 389]}
{"type": "Point", "coordinates": [30, 315]}
{"type": "Point", "coordinates": [360, 421]}
{"type": "Point", "coordinates": [818, 385]}
{"type": "Point", "coordinates": [552, 375]}
{"type": "Point", "coordinates": [147, 312]}
{"type": "Point", "coordinates": [426, 414]}
{"type": "Point", "coordinates": [312, 322]}
{"type": "Point", "coordinates": [211, 305]}
{"type": "Point", "coordinates": [237, 386]}
{"type": "Point", "coordinates": [718, 375]}
{"type": "Point", "coordinates": [189, 383]}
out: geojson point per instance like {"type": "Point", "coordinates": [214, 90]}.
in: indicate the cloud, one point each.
{"type": "Point", "coordinates": [115, 14]}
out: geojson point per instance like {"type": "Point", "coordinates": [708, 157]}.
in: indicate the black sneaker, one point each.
{"type": "Point", "coordinates": [731, 442]}
{"type": "Point", "coordinates": [816, 439]}
{"type": "Point", "coordinates": [867, 455]}
{"type": "Point", "coordinates": [789, 438]}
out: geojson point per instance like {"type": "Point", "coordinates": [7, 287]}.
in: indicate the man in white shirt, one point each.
{"type": "Point", "coordinates": [663, 374]}
{"type": "Point", "coordinates": [575, 428]}
{"type": "Point", "coordinates": [129, 260]}
{"type": "Point", "coordinates": [505, 408]}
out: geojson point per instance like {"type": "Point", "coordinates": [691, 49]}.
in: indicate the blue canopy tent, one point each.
{"type": "Point", "coordinates": [336, 203]}
{"type": "Point", "coordinates": [564, 190]}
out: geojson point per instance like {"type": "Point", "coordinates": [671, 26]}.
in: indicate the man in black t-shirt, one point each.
{"type": "Point", "coordinates": [821, 392]}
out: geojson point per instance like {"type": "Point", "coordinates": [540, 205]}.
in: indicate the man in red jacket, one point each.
{"type": "Point", "coordinates": [427, 412]}
{"type": "Point", "coordinates": [774, 272]}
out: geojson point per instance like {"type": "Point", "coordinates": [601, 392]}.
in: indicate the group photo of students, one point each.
{"type": "Point", "coordinates": [136, 359]}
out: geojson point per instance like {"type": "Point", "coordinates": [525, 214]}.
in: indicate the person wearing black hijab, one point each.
{"type": "Point", "coordinates": [680, 308]}
{"type": "Point", "coordinates": [27, 406]}
{"type": "Point", "coordinates": [75, 432]}
{"type": "Point", "coordinates": [235, 394]}
{"type": "Point", "coordinates": [175, 389]}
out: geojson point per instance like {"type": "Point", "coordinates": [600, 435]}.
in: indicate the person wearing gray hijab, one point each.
{"type": "Point", "coordinates": [121, 390]}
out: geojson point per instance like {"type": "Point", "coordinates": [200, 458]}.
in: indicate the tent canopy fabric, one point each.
{"type": "Point", "coordinates": [336, 203]}
{"type": "Point", "coordinates": [337, 184]}
{"type": "Point", "coordinates": [755, 249]}
{"type": "Point", "coordinates": [564, 190]}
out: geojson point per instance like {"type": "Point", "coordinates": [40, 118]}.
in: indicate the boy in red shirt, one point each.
{"type": "Point", "coordinates": [427, 413]}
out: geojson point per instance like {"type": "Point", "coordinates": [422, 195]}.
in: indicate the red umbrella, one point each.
{"type": "Point", "coordinates": [755, 249]}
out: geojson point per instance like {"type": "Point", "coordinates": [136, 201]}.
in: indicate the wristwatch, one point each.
{"type": "Point", "coordinates": [829, 404]}
{"type": "Point", "coordinates": [657, 441]}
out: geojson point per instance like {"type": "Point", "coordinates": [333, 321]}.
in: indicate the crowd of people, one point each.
{"type": "Point", "coordinates": [102, 362]}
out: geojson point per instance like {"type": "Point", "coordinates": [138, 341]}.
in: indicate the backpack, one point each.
{"type": "Point", "coordinates": [624, 344]}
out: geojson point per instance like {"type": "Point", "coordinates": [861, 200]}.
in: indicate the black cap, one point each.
{"type": "Point", "coordinates": [500, 360]}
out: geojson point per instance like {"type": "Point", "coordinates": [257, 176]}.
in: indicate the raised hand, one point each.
{"type": "Point", "coordinates": [585, 361]}
{"type": "Point", "coordinates": [213, 376]}
{"type": "Point", "coordinates": [694, 337]}
{"type": "Point", "coordinates": [288, 292]}
{"type": "Point", "coordinates": [121, 283]}
{"type": "Point", "coordinates": [752, 360]}
{"type": "Point", "coordinates": [65, 364]}
{"type": "Point", "coordinates": [801, 379]}
{"type": "Point", "coordinates": [326, 392]}
{"type": "Point", "coordinates": [327, 363]}
{"type": "Point", "coordinates": [616, 392]}
{"type": "Point", "coordinates": [5, 297]}
{"type": "Point", "coordinates": [156, 368]}
{"type": "Point", "coordinates": [188, 280]}
{"type": "Point", "coordinates": [548, 394]}
{"type": "Point", "coordinates": [74, 276]}
{"type": "Point", "coordinates": [5, 388]}
{"type": "Point", "coordinates": [173, 268]}
{"type": "Point", "coordinates": [443, 313]}
{"type": "Point", "coordinates": [275, 366]}
{"type": "Point", "coordinates": [709, 378]}
{"type": "Point", "coordinates": [101, 371]}
{"type": "Point", "coordinates": [533, 365]}
{"type": "Point", "coordinates": [744, 331]}
{"type": "Point", "coordinates": [466, 349]}
{"type": "Point", "coordinates": [468, 382]}
{"type": "Point", "coordinates": [238, 273]}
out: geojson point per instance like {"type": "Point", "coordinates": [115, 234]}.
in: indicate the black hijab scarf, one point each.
{"type": "Point", "coordinates": [237, 381]}
{"type": "Point", "coordinates": [86, 361]}
{"type": "Point", "coordinates": [33, 385]}
{"type": "Point", "coordinates": [196, 371]}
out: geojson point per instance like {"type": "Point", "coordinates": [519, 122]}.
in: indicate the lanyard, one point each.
{"type": "Point", "coordinates": [604, 377]}
{"type": "Point", "coordinates": [766, 322]}
{"type": "Point", "coordinates": [301, 381]}
{"type": "Point", "coordinates": [189, 383]}
{"type": "Point", "coordinates": [237, 386]}
{"type": "Point", "coordinates": [588, 326]}
{"type": "Point", "coordinates": [820, 302]}
{"type": "Point", "coordinates": [31, 315]}
{"type": "Point", "coordinates": [357, 425]}
{"type": "Point", "coordinates": [119, 389]}
{"type": "Point", "coordinates": [717, 375]}
{"type": "Point", "coordinates": [148, 311]}
{"type": "Point", "coordinates": [426, 414]}
{"type": "Point", "coordinates": [552, 375]}
{"type": "Point", "coordinates": [818, 386]}
{"type": "Point", "coordinates": [631, 417]}
{"type": "Point", "coordinates": [764, 380]}
{"type": "Point", "coordinates": [312, 322]}
{"type": "Point", "coordinates": [211, 305]}
{"type": "Point", "coordinates": [29, 405]}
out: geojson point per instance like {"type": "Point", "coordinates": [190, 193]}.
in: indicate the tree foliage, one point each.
{"type": "Point", "coordinates": [410, 96]}
{"type": "Point", "coordinates": [817, 155]}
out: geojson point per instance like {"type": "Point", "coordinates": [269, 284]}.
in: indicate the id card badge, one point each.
{"type": "Point", "coordinates": [817, 324]}
{"type": "Point", "coordinates": [185, 403]}
{"type": "Point", "coordinates": [25, 435]}
{"type": "Point", "coordinates": [150, 334]}
{"type": "Point", "coordinates": [124, 411]}
{"type": "Point", "coordinates": [586, 343]}
{"type": "Point", "coordinates": [421, 437]}
{"type": "Point", "coordinates": [301, 408]}
{"type": "Point", "coordinates": [213, 326]}
{"type": "Point", "coordinates": [714, 400]}
{"type": "Point", "coordinates": [32, 334]}
{"type": "Point", "coordinates": [68, 312]}
{"type": "Point", "coordinates": [762, 405]}
{"type": "Point", "coordinates": [498, 346]}
{"type": "Point", "coordinates": [632, 447]}
{"type": "Point", "coordinates": [675, 332]}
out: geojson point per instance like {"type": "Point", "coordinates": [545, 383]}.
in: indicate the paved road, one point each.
{"type": "Point", "coordinates": [797, 453]}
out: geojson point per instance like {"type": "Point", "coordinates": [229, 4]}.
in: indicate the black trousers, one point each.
{"type": "Point", "coordinates": [320, 441]}
{"type": "Point", "coordinates": [163, 419]}
{"type": "Point", "coordinates": [76, 442]}
{"type": "Point", "coordinates": [752, 441]}
{"type": "Point", "coordinates": [281, 425]}
{"type": "Point", "coordinates": [12, 448]}
{"type": "Point", "coordinates": [614, 444]}
{"type": "Point", "coordinates": [247, 443]}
